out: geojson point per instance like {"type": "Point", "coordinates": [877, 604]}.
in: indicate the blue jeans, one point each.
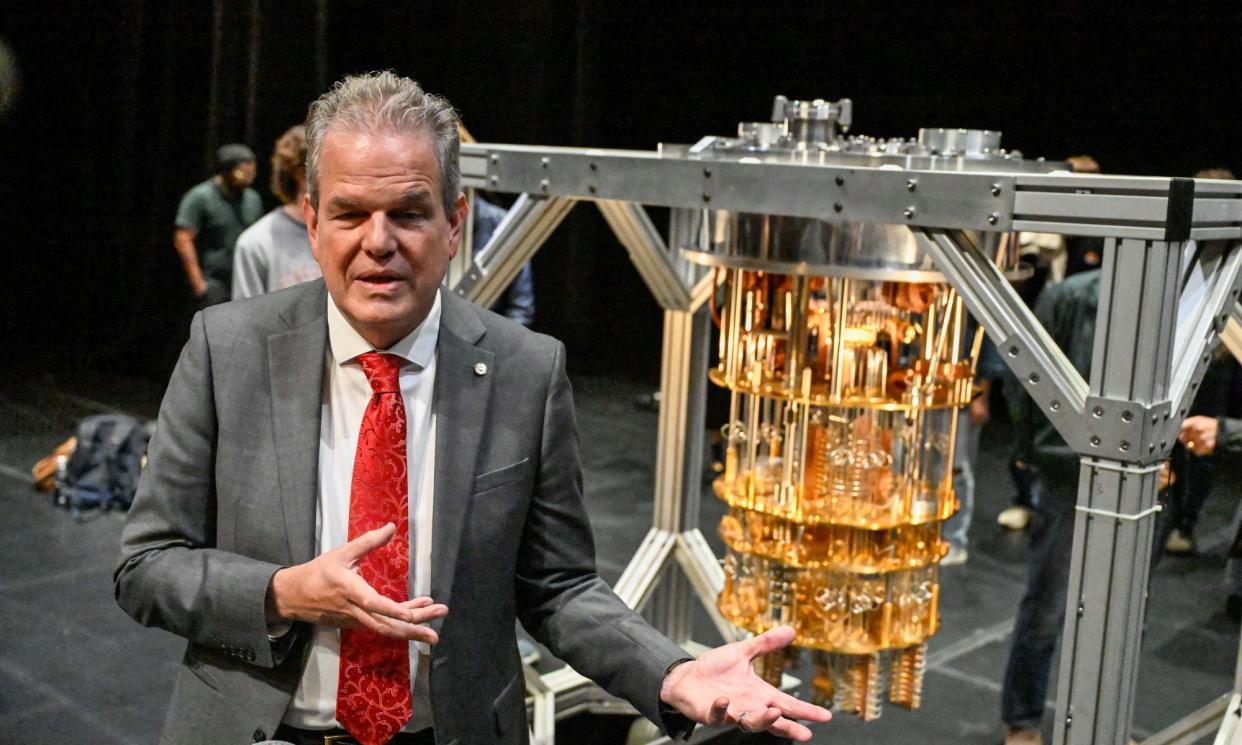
{"type": "Point", "coordinates": [1041, 614]}
{"type": "Point", "coordinates": [965, 456]}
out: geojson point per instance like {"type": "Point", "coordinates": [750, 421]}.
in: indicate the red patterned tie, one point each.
{"type": "Point", "coordinates": [373, 693]}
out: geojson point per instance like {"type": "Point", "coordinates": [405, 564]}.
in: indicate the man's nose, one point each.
{"type": "Point", "coordinates": [377, 237]}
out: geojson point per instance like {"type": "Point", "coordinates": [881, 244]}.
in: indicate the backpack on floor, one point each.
{"type": "Point", "coordinates": [102, 473]}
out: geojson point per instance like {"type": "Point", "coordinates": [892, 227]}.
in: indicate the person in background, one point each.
{"type": "Point", "coordinates": [1204, 436]}
{"type": "Point", "coordinates": [518, 301]}
{"type": "Point", "coordinates": [1067, 311]}
{"type": "Point", "coordinates": [210, 218]}
{"type": "Point", "coordinates": [1195, 471]}
{"type": "Point", "coordinates": [275, 252]}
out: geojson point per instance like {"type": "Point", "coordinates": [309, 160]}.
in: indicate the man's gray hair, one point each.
{"type": "Point", "coordinates": [384, 100]}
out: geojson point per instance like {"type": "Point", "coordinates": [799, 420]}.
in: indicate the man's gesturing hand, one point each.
{"type": "Point", "coordinates": [721, 688]}
{"type": "Point", "coordinates": [328, 591]}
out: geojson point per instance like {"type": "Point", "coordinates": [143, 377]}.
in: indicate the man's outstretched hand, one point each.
{"type": "Point", "coordinates": [721, 688]}
{"type": "Point", "coordinates": [328, 591]}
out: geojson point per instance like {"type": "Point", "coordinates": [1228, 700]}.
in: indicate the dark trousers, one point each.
{"type": "Point", "coordinates": [1021, 477]}
{"type": "Point", "coordinates": [1190, 491]}
{"type": "Point", "coordinates": [1041, 614]}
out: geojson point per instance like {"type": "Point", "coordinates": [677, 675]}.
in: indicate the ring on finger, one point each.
{"type": "Point", "coordinates": [741, 718]}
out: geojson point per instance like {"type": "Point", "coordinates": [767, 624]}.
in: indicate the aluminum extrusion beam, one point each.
{"type": "Point", "coordinates": [1115, 516]}
{"type": "Point", "coordinates": [641, 574]}
{"type": "Point", "coordinates": [1194, 726]}
{"type": "Point", "coordinates": [655, 263]}
{"type": "Point", "coordinates": [524, 229]}
{"type": "Point", "coordinates": [1208, 298]}
{"type": "Point", "coordinates": [1036, 360]}
{"type": "Point", "coordinates": [705, 574]}
{"type": "Point", "coordinates": [679, 453]}
{"type": "Point", "coordinates": [1120, 206]}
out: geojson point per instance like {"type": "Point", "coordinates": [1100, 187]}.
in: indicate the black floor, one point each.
{"type": "Point", "coordinates": [75, 669]}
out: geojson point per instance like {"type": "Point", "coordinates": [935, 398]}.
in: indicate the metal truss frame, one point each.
{"type": "Point", "coordinates": [1170, 281]}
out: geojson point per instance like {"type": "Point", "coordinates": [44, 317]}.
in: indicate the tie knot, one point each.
{"type": "Point", "coordinates": [381, 370]}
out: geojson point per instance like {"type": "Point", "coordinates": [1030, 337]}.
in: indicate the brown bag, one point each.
{"type": "Point", "coordinates": [45, 470]}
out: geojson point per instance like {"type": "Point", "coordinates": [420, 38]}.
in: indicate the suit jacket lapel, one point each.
{"type": "Point", "coordinates": [462, 390]}
{"type": "Point", "coordinates": [295, 360]}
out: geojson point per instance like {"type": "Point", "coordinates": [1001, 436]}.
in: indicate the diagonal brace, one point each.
{"type": "Point", "coordinates": [1217, 276]}
{"type": "Point", "coordinates": [525, 228]}
{"type": "Point", "coordinates": [655, 263]}
{"type": "Point", "coordinates": [1025, 346]}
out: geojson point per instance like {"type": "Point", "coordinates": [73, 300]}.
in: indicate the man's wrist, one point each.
{"type": "Point", "coordinates": [677, 725]}
{"type": "Point", "coordinates": [272, 611]}
{"type": "Point", "coordinates": [674, 673]}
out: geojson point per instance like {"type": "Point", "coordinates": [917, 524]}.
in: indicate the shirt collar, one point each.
{"type": "Point", "coordinates": [417, 347]}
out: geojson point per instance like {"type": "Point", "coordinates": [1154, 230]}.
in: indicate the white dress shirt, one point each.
{"type": "Point", "coordinates": [346, 394]}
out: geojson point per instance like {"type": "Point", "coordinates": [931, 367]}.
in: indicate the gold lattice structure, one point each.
{"type": "Point", "coordinates": [838, 471]}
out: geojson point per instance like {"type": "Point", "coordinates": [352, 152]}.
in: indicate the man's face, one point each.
{"type": "Point", "coordinates": [380, 232]}
{"type": "Point", "coordinates": [242, 175]}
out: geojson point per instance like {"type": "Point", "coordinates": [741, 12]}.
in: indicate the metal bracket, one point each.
{"type": "Point", "coordinates": [1126, 430]}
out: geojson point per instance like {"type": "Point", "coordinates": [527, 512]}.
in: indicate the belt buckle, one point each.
{"type": "Point", "coordinates": [339, 740]}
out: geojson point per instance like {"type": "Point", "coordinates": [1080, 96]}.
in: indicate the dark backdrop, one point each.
{"type": "Point", "coordinates": [124, 102]}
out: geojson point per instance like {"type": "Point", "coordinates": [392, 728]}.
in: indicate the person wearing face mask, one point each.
{"type": "Point", "coordinates": [209, 219]}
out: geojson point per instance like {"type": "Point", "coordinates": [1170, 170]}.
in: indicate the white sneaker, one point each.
{"type": "Point", "coordinates": [1014, 518]}
{"type": "Point", "coordinates": [957, 555]}
{"type": "Point", "coordinates": [1180, 543]}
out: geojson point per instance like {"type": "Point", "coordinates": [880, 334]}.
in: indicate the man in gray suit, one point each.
{"type": "Point", "coordinates": [332, 457]}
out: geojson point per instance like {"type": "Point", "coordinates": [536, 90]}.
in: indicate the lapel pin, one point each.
{"type": "Point", "coordinates": [480, 369]}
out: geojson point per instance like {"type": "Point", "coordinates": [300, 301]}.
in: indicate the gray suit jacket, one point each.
{"type": "Point", "coordinates": [229, 496]}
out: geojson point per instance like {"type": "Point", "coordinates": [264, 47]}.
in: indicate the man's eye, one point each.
{"type": "Point", "coordinates": [408, 215]}
{"type": "Point", "coordinates": [350, 216]}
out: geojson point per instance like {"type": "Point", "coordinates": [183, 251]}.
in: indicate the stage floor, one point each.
{"type": "Point", "coordinates": [75, 669]}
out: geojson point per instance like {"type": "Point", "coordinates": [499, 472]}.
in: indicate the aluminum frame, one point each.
{"type": "Point", "coordinates": [1164, 303]}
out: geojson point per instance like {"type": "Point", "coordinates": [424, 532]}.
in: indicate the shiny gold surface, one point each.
{"type": "Point", "coordinates": [832, 546]}
{"type": "Point", "coordinates": [844, 404]}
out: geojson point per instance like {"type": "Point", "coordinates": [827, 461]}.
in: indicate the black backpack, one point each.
{"type": "Point", "coordinates": [102, 473]}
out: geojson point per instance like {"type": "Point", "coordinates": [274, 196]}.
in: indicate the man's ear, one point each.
{"type": "Point", "coordinates": [457, 223]}
{"type": "Point", "coordinates": [311, 217]}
